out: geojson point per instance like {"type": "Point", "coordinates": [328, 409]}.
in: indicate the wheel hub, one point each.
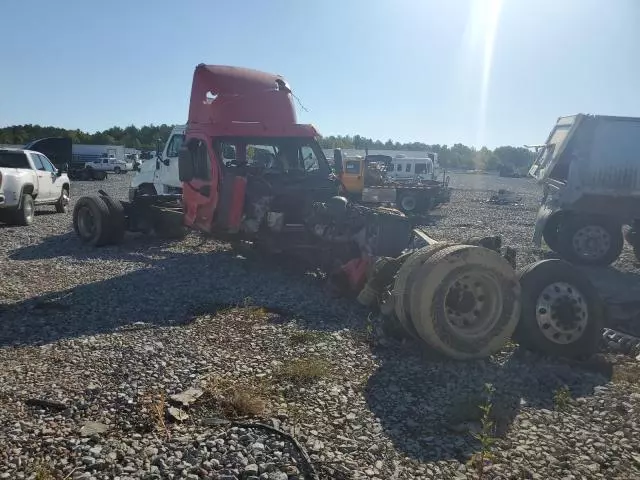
{"type": "Point", "coordinates": [591, 241]}
{"type": "Point", "coordinates": [561, 313]}
{"type": "Point", "coordinates": [86, 222]}
{"type": "Point", "coordinates": [471, 303]}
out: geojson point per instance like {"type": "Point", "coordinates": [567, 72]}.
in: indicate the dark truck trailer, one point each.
{"type": "Point", "coordinates": [59, 151]}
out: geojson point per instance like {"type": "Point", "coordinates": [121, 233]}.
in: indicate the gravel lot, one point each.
{"type": "Point", "coordinates": [108, 335]}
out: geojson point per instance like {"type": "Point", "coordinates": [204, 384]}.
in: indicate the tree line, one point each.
{"type": "Point", "coordinates": [145, 138]}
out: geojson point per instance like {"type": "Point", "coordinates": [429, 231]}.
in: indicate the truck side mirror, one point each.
{"type": "Point", "coordinates": [185, 165]}
{"type": "Point", "coordinates": [337, 160]}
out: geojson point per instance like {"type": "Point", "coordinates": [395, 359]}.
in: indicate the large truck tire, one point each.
{"type": "Point", "coordinates": [551, 232]}
{"type": "Point", "coordinates": [407, 202]}
{"type": "Point", "coordinates": [465, 301]}
{"type": "Point", "coordinates": [590, 240]}
{"type": "Point", "coordinates": [62, 204]}
{"type": "Point", "coordinates": [169, 226]}
{"type": "Point", "coordinates": [562, 313]}
{"type": "Point", "coordinates": [402, 285]}
{"type": "Point", "coordinates": [25, 213]}
{"type": "Point", "coordinates": [117, 226]}
{"type": "Point", "coordinates": [91, 221]}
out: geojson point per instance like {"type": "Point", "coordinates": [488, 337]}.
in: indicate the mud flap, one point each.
{"type": "Point", "coordinates": [544, 214]}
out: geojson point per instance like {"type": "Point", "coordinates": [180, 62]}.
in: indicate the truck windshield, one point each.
{"type": "Point", "coordinates": [283, 155]}
{"type": "Point", "coordinates": [13, 160]}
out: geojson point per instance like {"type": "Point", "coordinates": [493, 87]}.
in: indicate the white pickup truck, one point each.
{"type": "Point", "coordinates": [28, 179]}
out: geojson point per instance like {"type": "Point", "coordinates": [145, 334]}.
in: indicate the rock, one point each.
{"type": "Point", "coordinates": [178, 414]}
{"type": "Point", "coordinates": [250, 470]}
{"type": "Point", "coordinates": [187, 397]}
{"type": "Point", "coordinates": [258, 446]}
{"type": "Point", "coordinates": [93, 428]}
{"type": "Point", "coordinates": [278, 476]}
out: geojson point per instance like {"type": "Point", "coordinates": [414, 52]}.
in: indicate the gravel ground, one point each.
{"type": "Point", "coordinates": [106, 336]}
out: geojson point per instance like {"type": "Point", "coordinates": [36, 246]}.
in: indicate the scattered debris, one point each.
{"type": "Point", "coordinates": [93, 428]}
{"type": "Point", "coordinates": [187, 397]}
{"type": "Point", "coordinates": [177, 414]}
{"type": "Point", "coordinates": [44, 403]}
{"type": "Point", "coordinates": [505, 197]}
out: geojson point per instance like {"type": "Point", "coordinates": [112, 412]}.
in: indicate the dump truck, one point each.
{"type": "Point", "coordinates": [251, 173]}
{"type": "Point", "coordinates": [410, 184]}
{"type": "Point", "coordinates": [589, 168]}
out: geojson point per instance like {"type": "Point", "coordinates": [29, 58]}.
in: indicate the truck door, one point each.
{"type": "Point", "coordinates": [353, 176]}
{"type": "Point", "coordinates": [56, 181]}
{"type": "Point", "coordinates": [45, 179]}
{"type": "Point", "coordinates": [167, 174]}
{"type": "Point", "coordinates": [200, 193]}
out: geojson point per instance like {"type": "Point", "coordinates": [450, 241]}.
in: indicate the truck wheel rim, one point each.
{"type": "Point", "coordinates": [561, 313]}
{"type": "Point", "coordinates": [591, 242]}
{"type": "Point", "coordinates": [86, 222]}
{"type": "Point", "coordinates": [472, 304]}
{"type": "Point", "coordinates": [65, 198]}
{"type": "Point", "coordinates": [408, 203]}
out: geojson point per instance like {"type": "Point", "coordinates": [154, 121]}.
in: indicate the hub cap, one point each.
{"type": "Point", "coordinates": [86, 222]}
{"type": "Point", "coordinates": [472, 304]}
{"type": "Point", "coordinates": [591, 242]}
{"type": "Point", "coordinates": [561, 313]}
{"type": "Point", "coordinates": [65, 198]}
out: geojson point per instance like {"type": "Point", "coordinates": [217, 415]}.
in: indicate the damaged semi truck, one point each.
{"type": "Point", "coordinates": [250, 172]}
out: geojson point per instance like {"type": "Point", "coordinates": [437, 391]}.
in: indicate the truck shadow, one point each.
{"type": "Point", "coordinates": [134, 248]}
{"type": "Point", "coordinates": [166, 291]}
{"type": "Point", "coordinates": [430, 408]}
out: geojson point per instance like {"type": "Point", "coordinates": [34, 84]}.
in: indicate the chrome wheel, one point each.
{"type": "Point", "coordinates": [591, 242]}
{"type": "Point", "coordinates": [472, 304]}
{"type": "Point", "coordinates": [86, 223]}
{"type": "Point", "coordinates": [561, 313]}
{"type": "Point", "coordinates": [64, 199]}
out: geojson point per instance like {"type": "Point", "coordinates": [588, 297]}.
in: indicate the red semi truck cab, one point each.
{"type": "Point", "coordinates": [244, 148]}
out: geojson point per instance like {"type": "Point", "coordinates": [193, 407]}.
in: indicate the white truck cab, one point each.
{"type": "Point", "coordinates": [159, 175]}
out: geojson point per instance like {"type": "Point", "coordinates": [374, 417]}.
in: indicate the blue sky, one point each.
{"type": "Point", "coordinates": [479, 72]}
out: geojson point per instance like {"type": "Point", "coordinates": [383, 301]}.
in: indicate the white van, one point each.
{"type": "Point", "coordinates": [159, 175]}
{"type": "Point", "coordinates": [412, 169]}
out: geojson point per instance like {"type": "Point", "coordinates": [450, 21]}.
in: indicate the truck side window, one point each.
{"type": "Point", "coordinates": [352, 166]}
{"type": "Point", "coordinates": [399, 167]}
{"type": "Point", "coordinates": [308, 159]}
{"type": "Point", "coordinates": [421, 168]}
{"type": "Point", "coordinates": [175, 143]}
{"type": "Point", "coordinates": [201, 159]}
{"type": "Point", "coordinates": [47, 164]}
{"type": "Point", "coordinates": [37, 162]}
{"type": "Point", "coordinates": [407, 167]}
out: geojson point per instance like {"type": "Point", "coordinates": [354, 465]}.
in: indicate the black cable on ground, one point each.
{"type": "Point", "coordinates": [310, 469]}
